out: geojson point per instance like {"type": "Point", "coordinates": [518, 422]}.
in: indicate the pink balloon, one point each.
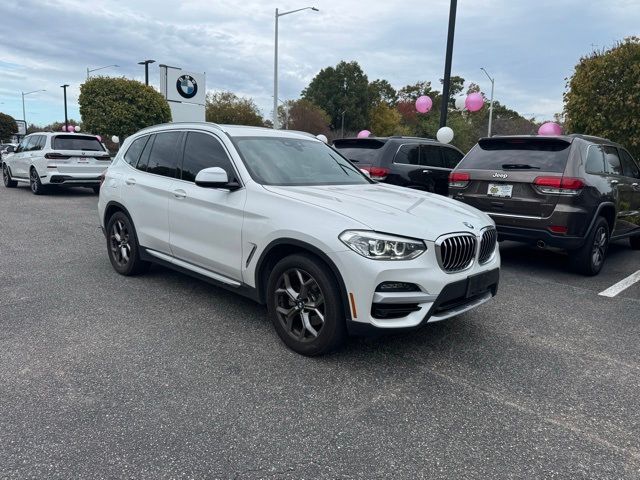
{"type": "Point", "coordinates": [423, 104]}
{"type": "Point", "coordinates": [99, 138]}
{"type": "Point", "coordinates": [474, 102]}
{"type": "Point", "coordinates": [71, 128]}
{"type": "Point", "coordinates": [364, 134]}
{"type": "Point", "coordinates": [64, 129]}
{"type": "Point", "coordinates": [550, 128]}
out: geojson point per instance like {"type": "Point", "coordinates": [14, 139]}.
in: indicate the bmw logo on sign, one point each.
{"type": "Point", "coordinates": [187, 86]}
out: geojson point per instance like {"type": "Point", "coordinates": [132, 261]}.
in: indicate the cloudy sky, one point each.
{"type": "Point", "coordinates": [528, 46]}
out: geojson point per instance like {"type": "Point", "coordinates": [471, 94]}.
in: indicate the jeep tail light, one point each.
{"type": "Point", "coordinates": [558, 229]}
{"type": "Point", "coordinates": [378, 173]}
{"type": "Point", "coordinates": [559, 185]}
{"type": "Point", "coordinates": [459, 179]}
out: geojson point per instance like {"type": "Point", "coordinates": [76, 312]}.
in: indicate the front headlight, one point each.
{"type": "Point", "coordinates": [379, 246]}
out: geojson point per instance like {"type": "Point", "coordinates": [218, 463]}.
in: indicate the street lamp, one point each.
{"type": "Point", "coordinates": [342, 128]}
{"type": "Point", "coordinates": [66, 120]}
{"type": "Point", "coordinates": [99, 68]}
{"type": "Point", "coordinates": [24, 115]}
{"type": "Point", "coordinates": [146, 69]}
{"type": "Point", "coordinates": [490, 101]}
{"type": "Point", "coordinates": [275, 62]}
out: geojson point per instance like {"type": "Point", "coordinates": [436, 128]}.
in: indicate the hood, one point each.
{"type": "Point", "coordinates": [391, 209]}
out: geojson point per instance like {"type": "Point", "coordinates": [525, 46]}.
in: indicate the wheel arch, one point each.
{"type": "Point", "coordinates": [283, 247]}
{"type": "Point", "coordinates": [608, 211]}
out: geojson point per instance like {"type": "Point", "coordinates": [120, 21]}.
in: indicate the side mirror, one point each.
{"type": "Point", "coordinates": [215, 177]}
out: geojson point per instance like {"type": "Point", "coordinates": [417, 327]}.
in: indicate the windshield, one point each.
{"type": "Point", "coordinates": [74, 142]}
{"type": "Point", "coordinates": [363, 150]}
{"type": "Point", "coordinates": [544, 154]}
{"type": "Point", "coordinates": [292, 161]}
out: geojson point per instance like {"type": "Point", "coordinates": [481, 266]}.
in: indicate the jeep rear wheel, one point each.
{"type": "Point", "coordinates": [590, 258]}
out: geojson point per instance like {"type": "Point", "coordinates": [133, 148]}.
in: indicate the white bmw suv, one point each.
{"type": "Point", "coordinates": [284, 219]}
{"type": "Point", "coordinates": [47, 159]}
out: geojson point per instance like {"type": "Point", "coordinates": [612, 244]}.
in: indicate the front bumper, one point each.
{"type": "Point", "coordinates": [441, 295]}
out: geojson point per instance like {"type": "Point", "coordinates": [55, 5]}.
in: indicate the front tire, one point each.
{"type": "Point", "coordinates": [305, 306]}
{"type": "Point", "coordinates": [6, 178]}
{"type": "Point", "coordinates": [590, 258]}
{"type": "Point", "coordinates": [122, 246]}
{"type": "Point", "coordinates": [34, 182]}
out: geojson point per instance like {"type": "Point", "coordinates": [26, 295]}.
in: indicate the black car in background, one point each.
{"type": "Point", "coordinates": [573, 192]}
{"type": "Point", "coordinates": [412, 162]}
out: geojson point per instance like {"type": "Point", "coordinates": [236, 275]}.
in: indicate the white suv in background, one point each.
{"type": "Point", "coordinates": [46, 158]}
{"type": "Point", "coordinates": [284, 219]}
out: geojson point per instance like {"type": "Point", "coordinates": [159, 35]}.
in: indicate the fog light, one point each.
{"type": "Point", "coordinates": [397, 287]}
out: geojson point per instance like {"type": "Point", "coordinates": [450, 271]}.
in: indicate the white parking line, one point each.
{"type": "Point", "coordinates": [621, 285]}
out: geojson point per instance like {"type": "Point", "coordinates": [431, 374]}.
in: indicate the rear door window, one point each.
{"type": "Point", "coordinates": [539, 154]}
{"type": "Point", "coordinates": [77, 142]}
{"type": "Point", "coordinates": [629, 166]}
{"type": "Point", "coordinates": [595, 160]}
{"type": "Point", "coordinates": [451, 157]}
{"type": "Point", "coordinates": [408, 155]}
{"type": "Point", "coordinates": [612, 160]}
{"type": "Point", "coordinates": [431, 156]}
{"type": "Point", "coordinates": [163, 159]}
{"type": "Point", "coordinates": [144, 158]}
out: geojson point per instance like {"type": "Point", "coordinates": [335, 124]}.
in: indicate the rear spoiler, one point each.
{"type": "Point", "coordinates": [503, 143]}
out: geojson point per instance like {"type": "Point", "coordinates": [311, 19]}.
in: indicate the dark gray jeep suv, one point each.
{"type": "Point", "coordinates": [574, 192]}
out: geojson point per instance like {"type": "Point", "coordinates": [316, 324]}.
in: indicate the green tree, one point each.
{"type": "Point", "coordinates": [343, 88]}
{"type": "Point", "coordinates": [119, 106]}
{"type": "Point", "coordinates": [386, 120]}
{"type": "Point", "coordinates": [410, 93]}
{"type": "Point", "coordinates": [304, 116]}
{"type": "Point", "coordinates": [382, 91]}
{"type": "Point", "coordinates": [603, 95]}
{"type": "Point", "coordinates": [227, 108]}
{"type": "Point", "coordinates": [7, 127]}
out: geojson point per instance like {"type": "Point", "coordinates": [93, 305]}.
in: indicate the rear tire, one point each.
{"type": "Point", "coordinates": [6, 178]}
{"type": "Point", "coordinates": [305, 306]}
{"type": "Point", "coordinates": [589, 259]}
{"type": "Point", "coordinates": [34, 182]}
{"type": "Point", "coordinates": [122, 246]}
{"type": "Point", "coordinates": [635, 242]}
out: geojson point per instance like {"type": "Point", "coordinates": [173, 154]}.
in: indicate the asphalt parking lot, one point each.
{"type": "Point", "coordinates": [163, 376]}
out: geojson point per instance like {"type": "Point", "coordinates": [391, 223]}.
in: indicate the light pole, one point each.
{"type": "Point", "coordinates": [490, 101]}
{"type": "Point", "coordinates": [342, 127]}
{"type": "Point", "coordinates": [447, 64]}
{"type": "Point", "coordinates": [99, 68]}
{"type": "Point", "coordinates": [66, 119]}
{"type": "Point", "coordinates": [24, 115]}
{"type": "Point", "coordinates": [146, 69]}
{"type": "Point", "coordinates": [275, 62]}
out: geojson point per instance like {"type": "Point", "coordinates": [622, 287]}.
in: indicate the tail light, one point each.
{"type": "Point", "coordinates": [377, 173]}
{"type": "Point", "coordinates": [102, 157]}
{"type": "Point", "coordinates": [56, 156]}
{"type": "Point", "coordinates": [559, 185]}
{"type": "Point", "coordinates": [459, 179]}
{"type": "Point", "coordinates": [558, 229]}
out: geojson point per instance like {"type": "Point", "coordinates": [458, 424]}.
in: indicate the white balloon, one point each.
{"type": "Point", "coordinates": [444, 135]}
{"type": "Point", "coordinates": [460, 103]}
{"type": "Point", "coordinates": [322, 138]}
{"type": "Point", "coordinates": [115, 139]}
{"type": "Point", "coordinates": [77, 128]}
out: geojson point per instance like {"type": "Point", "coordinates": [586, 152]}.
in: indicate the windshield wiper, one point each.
{"type": "Point", "coordinates": [518, 166]}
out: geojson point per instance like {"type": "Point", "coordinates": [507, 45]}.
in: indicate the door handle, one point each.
{"type": "Point", "coordinates": [130, 181]}
{"type": "Point", "coordinates": [614, 182]}
{"type": "Point", "coordinates": [426, 171]}
{"type": "Point", "coordinates": [179, 193]}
